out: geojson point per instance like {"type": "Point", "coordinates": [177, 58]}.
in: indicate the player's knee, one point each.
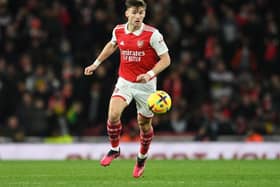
{"type": "Point", "coordinates": [114, 116]}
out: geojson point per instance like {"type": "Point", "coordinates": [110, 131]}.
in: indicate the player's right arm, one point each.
{"type": "Point", "coordinates": [107, 51]}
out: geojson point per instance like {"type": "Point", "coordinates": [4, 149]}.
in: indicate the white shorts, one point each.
{"type": "Point", "coordinates": [137, 91]}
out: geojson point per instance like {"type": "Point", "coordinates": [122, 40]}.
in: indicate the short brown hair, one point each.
{"type": "Point", "coordinates": [135, 3]}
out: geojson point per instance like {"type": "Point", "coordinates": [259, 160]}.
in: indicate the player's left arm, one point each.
{"type": "Point", "coordinates": [163, 63]}
{"type": "Point", "coordinates": [161, 49]}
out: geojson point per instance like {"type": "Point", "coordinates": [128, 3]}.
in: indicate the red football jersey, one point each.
{"type": "Point", "coordinates": [137, 52]}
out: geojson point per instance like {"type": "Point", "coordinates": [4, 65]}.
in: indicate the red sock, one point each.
{"type": "Point", "coordinates": [145, 140]}
{"type": "Point", "coordinates": [114, 132]}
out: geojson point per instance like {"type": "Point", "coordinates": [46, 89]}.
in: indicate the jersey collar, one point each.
{"type": "Point", "coordinates": [137, 32]}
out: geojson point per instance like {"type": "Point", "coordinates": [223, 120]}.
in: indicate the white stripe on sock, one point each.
{"type": "Point", "coordinates": [140, 155]}
{"type": "Point", "coordinates": [115, 148]}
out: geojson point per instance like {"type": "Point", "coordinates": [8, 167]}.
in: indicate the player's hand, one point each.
{"type": "Point", "coordinates": [90, 69]}
{"type": "Point", "coordinates": [143, 78]}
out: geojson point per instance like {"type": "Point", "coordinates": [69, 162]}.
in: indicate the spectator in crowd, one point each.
{"type": "Point", "coordinates": [209, 128]}
{"type": "Point", "coordinates": [254, 136]}
{"type": "Point", "coordinates": [13, 129]}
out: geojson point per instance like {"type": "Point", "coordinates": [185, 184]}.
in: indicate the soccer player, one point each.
{"type": "Point", "coordinates": [143, 55]}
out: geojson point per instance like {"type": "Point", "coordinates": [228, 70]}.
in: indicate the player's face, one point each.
{"type": "Point", "coordinates": [135, 16]}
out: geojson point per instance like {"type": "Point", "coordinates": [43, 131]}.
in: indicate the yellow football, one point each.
{"type": "Point", "coordinates": [159, 102]}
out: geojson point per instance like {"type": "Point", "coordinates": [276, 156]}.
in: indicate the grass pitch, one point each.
{"type": "Point", "coordinates": [158, 173]}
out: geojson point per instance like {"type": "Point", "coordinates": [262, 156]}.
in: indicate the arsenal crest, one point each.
{"type": "Point", "coordinates": [140, 43]}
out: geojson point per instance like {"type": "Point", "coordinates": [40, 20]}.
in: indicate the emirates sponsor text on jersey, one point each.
{"type": "Point", "coordinates": [132, 56]}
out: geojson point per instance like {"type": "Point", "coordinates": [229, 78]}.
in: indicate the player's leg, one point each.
{"type": "Point", "coordinates": [146, 136]}
{"type": "Point", "coordinates": [120, 99]}
{"type": "Point", "coordinates": [114, 127]}
{"type": "Point", "coordinates": [144, 120]}
{"type": "Point", "coordinates": [116, 107]}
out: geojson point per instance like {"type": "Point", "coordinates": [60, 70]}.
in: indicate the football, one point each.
{"type": "Point", "coordinates": [159, 102]}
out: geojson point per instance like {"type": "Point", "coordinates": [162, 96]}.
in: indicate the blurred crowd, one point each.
{"type": "Point", "coordinates": [224, 78]}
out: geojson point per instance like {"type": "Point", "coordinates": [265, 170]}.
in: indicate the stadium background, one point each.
{"type": "Point", "coordinates": [224, 78]}
{"type": "Point", "coordinates": [224, 81]}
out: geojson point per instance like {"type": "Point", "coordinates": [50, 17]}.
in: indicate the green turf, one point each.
{"type": "Point", "coordinates": [158, 173]}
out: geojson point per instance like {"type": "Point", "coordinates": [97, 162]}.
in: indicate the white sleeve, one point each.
{"type": "Point", "coordinates": [114, 39]}
{"type": "Point", "coordinates": [158, 43]}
